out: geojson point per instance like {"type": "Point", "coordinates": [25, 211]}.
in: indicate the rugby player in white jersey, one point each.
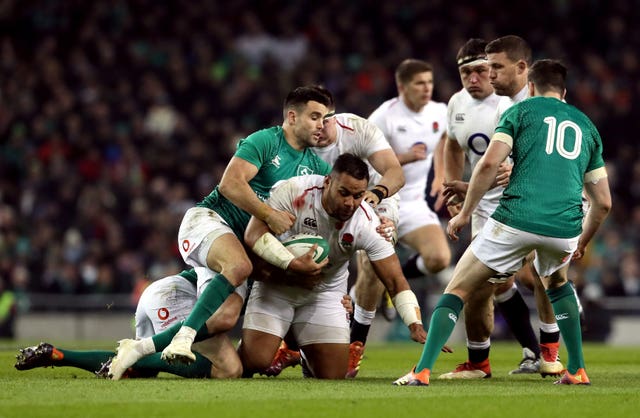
{"type": "Point", "coordinates": [415, 127]}
{"type": "Point", "coordinates": [471, 113]}
{"type": "Point", "coordinates": [333, 208]}
{"type": "Point", "coordinates": [349, 133]}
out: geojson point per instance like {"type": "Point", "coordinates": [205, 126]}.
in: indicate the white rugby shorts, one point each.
{"type": "Point", "coordinates": [314, 317]}
{"type": "Point", "coordinates": [199, 228]}
{"type": "Point", "coordinates": [504, 249]}
{"type": "Point", "coordinates": [415, 214]}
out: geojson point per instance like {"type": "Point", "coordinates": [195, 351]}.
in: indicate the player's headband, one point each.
{"type": "Point", "coordinates": [472, 59]}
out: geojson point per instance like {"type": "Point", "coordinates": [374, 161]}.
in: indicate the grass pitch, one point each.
{"type": "Point", "coordinates": [68, 392]}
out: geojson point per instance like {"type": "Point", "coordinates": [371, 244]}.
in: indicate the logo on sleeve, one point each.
{"type": "Point", "coordinates": [276, 161]}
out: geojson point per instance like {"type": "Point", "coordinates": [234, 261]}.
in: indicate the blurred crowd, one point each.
{"type": "Point", "coordinates": [116, 116]}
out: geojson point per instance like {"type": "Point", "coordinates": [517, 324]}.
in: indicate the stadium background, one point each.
{"type": "Point", "coordinates": [116, 116]}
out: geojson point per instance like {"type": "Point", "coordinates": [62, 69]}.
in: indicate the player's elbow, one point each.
{"type": "Point", "coordinates": [603, 206]}
{"type": "Point", "coordinates": [487, 164]}
{"type": "Point", "coordinates": [401, 179]}
{"type": "Point", "coordinates": [225, 186]}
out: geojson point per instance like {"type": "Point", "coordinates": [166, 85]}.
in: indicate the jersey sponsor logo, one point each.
{"type": "Point", "coordinates": [346, 240]}
{"type": "Point", "coordinates": [163, 314]}
{"type": "Point", "coordinates": [276, 161]}
{"type": "Point", "coordinates": [453, 317]}
{"type": "Point", "coordinates": [303, 170]}
{"type": "Point", "coordinates": [436, 127]}
{"type": "Point", "coordinates": [562, 316]}
{"type": "Point", "coordinates": [402, 129]}
{"type": "Point", "coordinates": [186, 245]}
{"type": "Point", "coordinates": [310, 222]}
{"type": "Point", "coordinates": [459, 117]}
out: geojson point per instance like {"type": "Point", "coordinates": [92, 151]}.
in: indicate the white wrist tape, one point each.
{"type": "Point", "coordinates": [407, 306]}
{"type": "Point", "coordinates": [271, 250]}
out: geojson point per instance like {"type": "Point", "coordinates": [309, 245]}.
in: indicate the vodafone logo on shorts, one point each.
{"type": "Point", "coordinates": [163, 314]}
{"type": "Point", "coordinates": [186, 245]}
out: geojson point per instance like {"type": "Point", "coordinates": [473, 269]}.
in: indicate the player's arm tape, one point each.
{"type": "Point", "coordinates": [271, 250]}
{"type": "Point", "coordinates": [594, 175]}
{"type": "Point", "coordinates": [407, 306]}
{"type": "Point", "coordinates": [502, 137]}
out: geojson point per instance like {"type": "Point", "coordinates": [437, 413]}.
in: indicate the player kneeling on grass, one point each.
{"type": "Point", "coordinates": [333, 208]}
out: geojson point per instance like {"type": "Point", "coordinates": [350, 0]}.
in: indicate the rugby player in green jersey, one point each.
{"type": "Point", "coordinates": [211, 233]}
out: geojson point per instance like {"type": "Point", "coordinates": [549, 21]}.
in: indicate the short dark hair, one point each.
{"type": "Point", "coordinates": [350, 164]}
{"type": "Point", "coordinates": [472, 50]}
{"type": "Point", "coordinates": [300, 96]}
{"type": "Point", "coordinates": [514, 46]}
{"type": "Point", "coordinates": [548, 75]}
{"type": "Point", "coordinates": [410, 67]}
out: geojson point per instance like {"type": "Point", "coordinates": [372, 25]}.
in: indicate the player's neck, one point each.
{"type": "Point", "coordinates": [412, 107]}
{"type": "Point", "coordinates": [292, 139]}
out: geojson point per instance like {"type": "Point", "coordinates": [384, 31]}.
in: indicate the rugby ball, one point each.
{"type": "Point", "coordinates": [300, 244]}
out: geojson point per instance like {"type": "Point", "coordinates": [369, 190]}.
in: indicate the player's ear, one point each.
{"type": "Point", "coordinates": [522, 66]}
{"type": "Point", "coordinates": [327, 180]}
{"type": "Point", "coordinates": [532, 89]}
{"type": "Point", "coordinates": [291, 117]}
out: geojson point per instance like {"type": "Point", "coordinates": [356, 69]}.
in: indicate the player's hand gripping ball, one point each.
{"type": "Point", "coordinates": [300, 244]}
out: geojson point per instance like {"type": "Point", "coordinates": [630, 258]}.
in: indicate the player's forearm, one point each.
{"type": "Point", "coordinates": [595, 217]}
{"type": "Point", "coordinates": [453, 163]}
{"type": "Point", "coordinates": [599, 195]}
{"type": "Point", "coordinates": [438, 158]}
{"type": "Point", "coordinates": [481, 180]}
{"type": "Point", "coordinates": [393, 179]}
{"type": "Point", "coordinates": [238, 192]}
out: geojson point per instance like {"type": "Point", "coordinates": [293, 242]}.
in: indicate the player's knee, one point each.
{"type": "Point", "coordinates": [238, 272]}
{"type": "Point", "coordinates": [504, 287]}
{"type": "Point", "coordinates": [226, 321]}
{"type": "Point", "coordinates": [255, 360]}
{"type": "Point", "coordinates": [435, 263]}
{"type": "Point", "coordinates": [230, 369]}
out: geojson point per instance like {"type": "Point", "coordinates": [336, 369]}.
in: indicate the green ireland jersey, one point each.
{"type": "Point", "coordinates": [554, 145]}
{"type": "Point", "coordinates": [276, 160]}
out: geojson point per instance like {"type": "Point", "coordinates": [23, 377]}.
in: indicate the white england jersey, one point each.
{"type": "Point", "coordinates": [361, 138]}
{"type": "Point", "coordinates": [356, 136]}
{"type": "Point", "coordinates": [471, 124]}
{"type": "Point", "coordinates": [403, 128]}
{"type": "Point", "coordinates": [302, 196]}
